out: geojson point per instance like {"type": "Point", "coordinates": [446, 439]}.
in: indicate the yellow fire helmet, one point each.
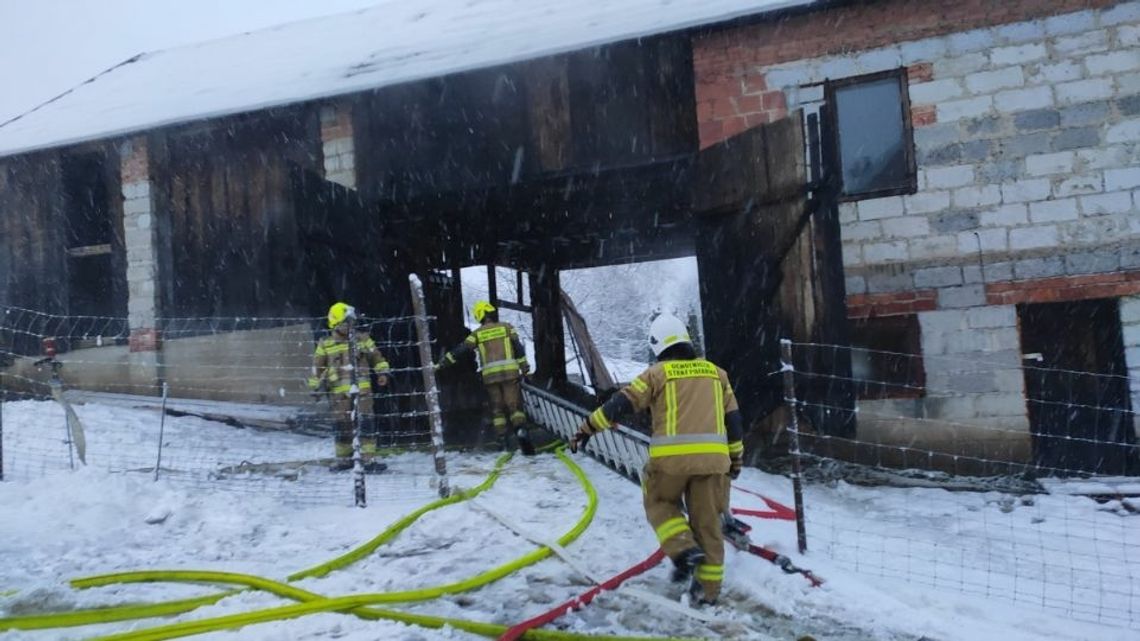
{"type": "Point", "coordinates": [339, 313]}
{"type": "Point", "coordinates": [481, 309]}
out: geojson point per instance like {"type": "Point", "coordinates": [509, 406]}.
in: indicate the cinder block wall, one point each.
{"type": "Point", "coordinates": [1026, 119]}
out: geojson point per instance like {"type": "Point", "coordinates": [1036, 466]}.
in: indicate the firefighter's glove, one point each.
{"type": "Point", "coordinates": [580, 438]}
{"type": "Point", "coordinates": [317, 388]}
{"type": "Point", "coordinates": [524, 368]}
{"type": "Point", "coordinates": [734, 468]}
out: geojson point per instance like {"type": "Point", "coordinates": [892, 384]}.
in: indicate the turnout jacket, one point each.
{"type": "Point", "coordinates": [332, 366]}
{"type": "Point", "coordinates": [501, 354]}
{"type": "Point", "coordinates": [697, 427]}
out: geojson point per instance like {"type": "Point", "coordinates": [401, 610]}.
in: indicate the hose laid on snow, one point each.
{"type": "Point", "coordinates": [312, 603]}
{"type": "Point", "coordinates": [356, 603]}
{"type": "Point", "coordinates": [112, 614]}
{"type": "Point", "coordinates": [529, 627]}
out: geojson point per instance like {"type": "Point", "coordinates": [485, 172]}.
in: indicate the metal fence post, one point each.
{"type": "Point", "coordinates": [161, 430]}
{"type": "Point", "coordinates": [431, 390]}
{"type": "Point", "coordinates": [789, 370]}
{"type": "Point", "coordinates": [358, 484]}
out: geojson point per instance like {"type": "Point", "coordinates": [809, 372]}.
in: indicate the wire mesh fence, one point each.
{"type": "Point", "coordinates": [979, 475]}
{"type": "Point", "coordinates": [240, 414]}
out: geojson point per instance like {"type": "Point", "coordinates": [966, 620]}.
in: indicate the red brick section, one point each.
{"type": "Point", "coordinates": [1064, 288]}
{"type": "Point", "coordinates": [920, 72]}
{"type": "Point", "coordinates": [340, 126]}
{"type": "Point", "coordinates": [135, 163]}
{"type": "Point", "coordinates": [891, 303]}
{"type": "Point", "coordinates": [923, 115]}
{"type": "Point", "coordinates": [731, 64]}
{"type": "Point", "coordinates": [144, 340]}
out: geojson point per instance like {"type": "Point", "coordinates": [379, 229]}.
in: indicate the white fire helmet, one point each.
{"type": "Point", "coordinates": [666, 331]}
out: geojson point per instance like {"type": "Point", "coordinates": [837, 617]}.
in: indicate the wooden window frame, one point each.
{"type": "Point", "coordinates": [900, 74]}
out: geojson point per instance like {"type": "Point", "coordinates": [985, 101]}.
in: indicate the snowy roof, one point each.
{"type": "Point", "coordinates": [387, 44]}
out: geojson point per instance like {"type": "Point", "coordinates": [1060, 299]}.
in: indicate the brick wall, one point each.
{"type": "Point", "coordinates": [140, 237]}
{"type": "Point", "coordinates": [1026, 119]}
{"type": "Point", "coordinates": [739, 82]}
{"type": "Point", "coordinates": [1130, 322]}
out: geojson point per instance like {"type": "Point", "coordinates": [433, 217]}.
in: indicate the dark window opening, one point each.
{"type": "Point", "coordinates": [886, 357]}
{"type": "Point", "coordinates": [875, 138]}
{"type": "Point", "coordinates": [1076, 388]}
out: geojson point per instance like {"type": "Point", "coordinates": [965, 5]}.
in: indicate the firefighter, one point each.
{"type": "Point", "coordinates": [332, 374]}
{"type": "Point", "coordinates": [502, 364]}
{"type": "Point", "coordinates": [696, 448]}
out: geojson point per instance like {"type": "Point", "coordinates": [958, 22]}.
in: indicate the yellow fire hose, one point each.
{"type": "Point", "coordinates": [311, 602]}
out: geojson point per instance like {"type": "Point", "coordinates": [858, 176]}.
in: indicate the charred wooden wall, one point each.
{"type": "Point", "coordinates": [229, 245]}
{"type": "Point", "coordinates": [61, 235]}
{"type": "Point", "coordinates": [613, 106]}
{"type": "Point", "coordinates": [33, 262]}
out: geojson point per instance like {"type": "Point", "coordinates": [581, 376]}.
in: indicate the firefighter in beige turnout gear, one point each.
{"type": "Point", "coordinates": [696, 448]}
{"type": "Point", "coordinates": [332, 374]}
{"type": "Point", "coordinates": [502, 364]}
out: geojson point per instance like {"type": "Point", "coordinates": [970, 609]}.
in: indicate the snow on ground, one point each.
{"type": "Point", "coordinates": [64, 525]}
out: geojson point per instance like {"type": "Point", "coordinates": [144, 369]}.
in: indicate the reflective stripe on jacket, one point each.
{"type": "Point", "coordinates": [688, 400]}
{"type": "Point", "coordinates": [331, 363]}
{"type": "Point", "coordinates": [501, 356]}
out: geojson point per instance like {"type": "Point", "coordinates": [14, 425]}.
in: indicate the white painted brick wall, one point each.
{"type": "Point", "coordinates": [881, 208]}
{"type": "Point", "coordinates": [885, 252]}
{"type": "Point", "coordinates": [933, 247]}
{"type": "Point", "coordinates": [1019, 54]}
{"type": "Point", "coordinates": [986, 239]}
{"type": "Point", "coordinates": [1105, 157]}
{"type": "Point", "coordinates": [1119, 202]}
{"type": "Point", "coordinates": [948, 177]}
{"type": "Point", "coordinates": [976, 196]}
{"type": "Point", "coordinates": [906, 227]}
{"type": "Point", "coordinates": [1022, 191]}
{"type": "Point", "coordinates": [1113, 62]}
{"type": "Point", "coordinates": [1128, 36]}
{"type": "Point", "coordinates": [1004, 216]}
{"type": "Point", "coordinates": [1024, 99]}
{"type": "Point", "coordinates": [1079, 185]}
{"type": "Point", "coordinates": [1071, 93]}
{"type": "Point", "coordinates": [927, 202]}
{"type": "Point", "coordinates": [1046, 164]}
{"type": "Point", "coordinates": [1130, 325]}
{"type": "Point", "coordinates": [1035, 153]}
{"type": "Point", "coordinates": [1051, 211]}
{"type": "Point", "coordinates": [1037, 237]}
{"type": "Point", "coordinates": [951, 110]}
{"type": "Point", "coordinates": [991, 81]}
{"type": "Point", "coordinates": [1064, 71]}
{"type": "Point", "coordinates": [1124, 132]}
{"type": "Point", "coordinates": [1118, 179]}
{"type": "Point", "coordinates": [936, 91]}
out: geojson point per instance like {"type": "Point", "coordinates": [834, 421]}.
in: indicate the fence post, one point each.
{"type": "Point", "coordinates": [431, 390]}
{"type": "Point", "coordinates": [789, 370]}
{"type": "Point", "coordinates": [161, 430]}
{"type": "Point", "coordinates": [358, 485]}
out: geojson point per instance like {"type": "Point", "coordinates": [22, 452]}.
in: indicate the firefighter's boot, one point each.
{"type": "Point", "coordinates": [525, 444]}
{"type": "Point", "coordinates": [686, 564]}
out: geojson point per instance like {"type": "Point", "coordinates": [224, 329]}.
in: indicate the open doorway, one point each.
{"type": "Point", "coordinates": [96, 263]}
{"type": "Point", "coordinates": [1076, 387]}
{"type": "Point", "coordinates": [616, 303]}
